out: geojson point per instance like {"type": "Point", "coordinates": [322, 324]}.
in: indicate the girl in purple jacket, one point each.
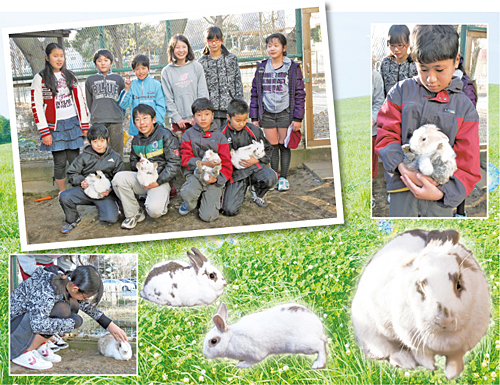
{"type": "Point", "coordinates": [277, 102]}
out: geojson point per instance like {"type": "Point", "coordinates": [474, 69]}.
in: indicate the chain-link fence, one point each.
{"type": "Point", "coordinates": [119, 300]}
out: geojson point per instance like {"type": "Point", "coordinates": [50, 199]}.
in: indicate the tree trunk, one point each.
{"type": "Point", "coordinates": [33, 50]}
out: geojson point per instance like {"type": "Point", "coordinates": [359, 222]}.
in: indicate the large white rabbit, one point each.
{"type": "Point", "coordinates": [97, 185]}
{"type": "Point", "coordinates": [109, 347]}
{"type": "Point", "coordinates": [178, 283]}
{"type": "Point", "coordinates": [256, 149]}
{"type": "Point", "coordinates": [423, 294]}
{"type": "Point", "coordinates": [146, 171]}
{"type": "Point", "coordinates": [429, 152]}
{"type": "Point", "coordinates": [289, 328]}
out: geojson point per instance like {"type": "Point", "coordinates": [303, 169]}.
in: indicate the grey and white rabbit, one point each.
{"type": "Point", "coordinates": [423, 294]}
{"type": "Point", "coordinates": [256, 149]}
{"type": "Point", "coordinates": [97, 185]}
{"type": "Point", "coordinates": [204, 172]}
{"type": "Point", "coordinates": [146, 171]}
{"type": "Point", "coordinates": [429, 152]}
{"type": "Point", "coordinates": [178, 283]}
{"type": "Point", "coordinates": [109, 347]}
{"type": "Point", "coordinates": [289, 328]}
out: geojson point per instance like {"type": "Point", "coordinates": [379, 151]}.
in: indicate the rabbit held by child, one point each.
{"type": "Point", "coordinates": [205, 172]}
{"type": "Point", "coordinates": [423, 294]}
{"type": "Point", "coordinates": [109, 347]}
{"type": "Point", "coordinates": [178, 283]}
{"type": "Point", "coordinates": [97, 185]}
{"type": "Point", "coordinates": [256, 149]}
{"type": "Point", "coordinates": [146, 171]}
{"type": "Point", "coordinates": [289, 328]}
{"type": "Point", "coordinates": [429, 152]}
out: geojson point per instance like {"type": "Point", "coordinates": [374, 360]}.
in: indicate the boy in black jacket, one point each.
{"type": "Point", "coordinates": [160, 146]}
{"type": "Point", "coordinates": [96, 156]}
{"type": "Point", "coordinates": [255, 173]}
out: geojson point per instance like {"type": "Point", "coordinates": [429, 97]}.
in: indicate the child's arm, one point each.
{"type": "Point", "coordinates": [160, 109]}
{"type": "Point", "coordinates": [188, 159]}
{"type": "Point", "coordinates": [88, 94]}
{"type": "Point", "coordinates": [237, 80]}
{"type": "Point", "coordinates": [202, 83]}
{"type": "Point", "coordinates": [75, 171]}
{"type": "Point", "coordinates": [37, 107]}
{"type": "Point", "coordinates": [168, 91]}
{"type": "Point", "coordinates": [300, 99]}
{"type": "Point", "coordinates": [83, 111]}
{"type": "Point", "coordinates": [134, 158]}
{"type": "Point", "coordinates": [254, 100]}
{"type": "Point", "coordinates": [172, 157]}
{"type": "Point", "coordinates": [225, 157]}
{"type": "Point", "coordinates": [125, 99]}
{"type": "Point", "coordinates": [40, 320]}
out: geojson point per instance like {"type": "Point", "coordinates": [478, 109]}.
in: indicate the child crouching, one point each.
{"type": "Point", "coordinates": [204, 136]}
{"type": "Point", "coordinates": [96, 156]}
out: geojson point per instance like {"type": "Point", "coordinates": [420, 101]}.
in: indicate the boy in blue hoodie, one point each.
{"type": "Point", "coordinates": [143, 90]}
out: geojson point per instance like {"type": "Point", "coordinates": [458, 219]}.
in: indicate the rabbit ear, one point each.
{"type": "Point", "coordinates": [443, 236]}
{"type": "Point", "coordinates": [219, 323]}
{"type": "Point", "coordinates": [222, 311]}
{"type": "Point", "coordinates": [197, 259]}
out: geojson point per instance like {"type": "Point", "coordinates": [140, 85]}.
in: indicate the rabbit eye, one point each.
{"type": "Point", "coordinates": [214, 341]}
{"type": "Point", "coordinates": [212, 275]}
{"type": "Point", "coordinates": [459, 285]}
{"type": "Point", "coordinates": [423, 139]}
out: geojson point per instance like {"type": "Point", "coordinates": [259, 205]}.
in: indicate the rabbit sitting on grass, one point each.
{"type": "Point", "coordinates": [109, 347]}
{"type": "Point", "coordinates": [429, 152]}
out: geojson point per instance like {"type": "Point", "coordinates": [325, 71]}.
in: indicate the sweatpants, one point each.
{"type": "Point", "coordinates": [262, 180]}
{"type": "Point", "coordinates": [404, 204]}
{"type": "Point", "coordinates": [107, 207]}
{"type": "Point", "coordinates": [210, 194]}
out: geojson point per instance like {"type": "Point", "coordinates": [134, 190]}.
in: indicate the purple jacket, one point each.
{"type": "Point", "coordinates": [295, 88]}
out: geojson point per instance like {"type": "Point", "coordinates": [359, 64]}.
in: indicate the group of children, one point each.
{"type": "Point", "coordinates": [204, 102]}
{"type": "Point", "coordinates": [426, 85]}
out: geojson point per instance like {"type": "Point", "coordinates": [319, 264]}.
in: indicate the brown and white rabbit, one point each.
{"type": "Point", "coordinates": [429, 152]}
{"type": "Point", "coordinates": [423, 294]}
{"type": "Point", "coordinates": [109, 347]}
{"type": "Point", "coordinates": [98, 183]}
{"type": "Point", "coordinates": [178, 283]}
{"type": "Point", "coordinates": [204, 172]}
{"type": "Point", "coordinates": [146, 171]}
{"type": "Point", "coordinates": [289, 328]}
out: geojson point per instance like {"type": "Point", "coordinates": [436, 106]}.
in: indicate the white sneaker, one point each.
{"type": "Point", "coordinates": [47, 354]}
{"type": "Point", "coordinates": [32, 360]}
{"type": "Point", "coordinates": [53, 346]}
{"type": "Point", "coordinates": [59, 342]}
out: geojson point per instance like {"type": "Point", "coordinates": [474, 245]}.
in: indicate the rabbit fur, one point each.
{"type": "Point", "coordinates": [423, 294]}
{"type": "Point", "coordinates": [289, 328]}
{"type": "Point", "coordinates": [97, 185]}
{"type": "Point", "coordinates": [178, 283]}
{"type": "Point", "coordinates": [109, 347]}
{"type": "Point", "coordinates": [147, 172]}
{"type": "Point", "coordinates": [429, 152]}
{"type": "Point", "coordinates": [256, 149]}
{"type": "Point", "coordinates": [204, 172]}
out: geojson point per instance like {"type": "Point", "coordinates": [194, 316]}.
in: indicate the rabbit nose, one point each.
{"type": "Point", "coordinates": [443, 310]}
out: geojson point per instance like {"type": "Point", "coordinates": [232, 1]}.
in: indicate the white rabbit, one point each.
{"type": "Point", "coordinates": [204, 172]}
{"type": "Point", "coordinates": [289, 328]}
{"type": "Point", "coordinates": [256, 149]}
{"type": "Point", "coordinates": [97, 185]}
{"type": "Point", "coordinates": [146, 171]}
{"type": "Point", "coordinates": [429, 152]}
{"type": "Point", "coordinates": [109, 347]}
{"type": "Point", "coordinates": [178, 283]}
{"type": "Point", "coordinates": [423, 294]}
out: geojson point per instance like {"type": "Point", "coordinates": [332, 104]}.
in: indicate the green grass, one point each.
{"type": "Point", "coordinates": [317, 267]}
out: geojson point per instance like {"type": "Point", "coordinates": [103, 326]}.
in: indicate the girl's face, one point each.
{"type": "Point", "coordinates": [180, 51]}
{"type": "Point", "coordinates": [56, 59]}
{"type": "Point", "coordinates": [275, 49]}
{"type": "Point", "coordinates": [400, 50]}
{"type": "Point", "coordinates": [214, 44]}
{"type": "Point", "coordinates": [75, 293]}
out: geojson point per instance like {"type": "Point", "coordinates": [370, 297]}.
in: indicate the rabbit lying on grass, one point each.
{"type": "Point", "coordinates": [423, 294]}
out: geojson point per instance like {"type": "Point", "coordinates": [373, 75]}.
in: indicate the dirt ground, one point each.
{"type": "Point", "coordinates": [82, 357]}
{"type": "Point", "coordinates": [475, 204]}
{"type": "Point", "coordinates": [307, 199]}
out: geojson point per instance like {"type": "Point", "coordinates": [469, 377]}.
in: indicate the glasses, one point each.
{"type": "Point", "coordinates": [398, 46]}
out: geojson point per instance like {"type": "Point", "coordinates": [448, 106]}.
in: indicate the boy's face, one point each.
{"type": "Point", "coordinates": [237, 122]}
{"type": "Point", "coordinates": [437, 75]}
{"type": "Point", "coordinates": [103, 64]}
{"type": "Point", "coordinates": [144, 123]}
{"type": "Point", "coordinates": [99, 145]}
{"type": "Point", "coordinates": [204, 119]}
{"type": "Point", "coordinates": [141, 71]}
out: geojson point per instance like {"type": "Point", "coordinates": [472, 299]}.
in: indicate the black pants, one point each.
{"type": "Point", "coordinates": [60, 159]}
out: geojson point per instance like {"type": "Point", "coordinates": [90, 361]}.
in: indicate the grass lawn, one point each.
{"type": "Point", "coordinates": [317, 267]}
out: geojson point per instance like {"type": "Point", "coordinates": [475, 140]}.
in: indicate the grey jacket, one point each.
{"type": "Point", "coordinates": [102, 94]}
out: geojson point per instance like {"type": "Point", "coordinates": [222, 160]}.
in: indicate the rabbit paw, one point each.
{"type": "Point", "coordinates": [246, 364]}
{"type": "Point", "coordinates": [454, 366]}
{"type": "Point", "coordinates": [403, 359]}
{"type": "Point", "coordinates": [427, 361]}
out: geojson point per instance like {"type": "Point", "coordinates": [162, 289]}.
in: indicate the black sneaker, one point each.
{"type": "Point", "coordinates": [130, 222]}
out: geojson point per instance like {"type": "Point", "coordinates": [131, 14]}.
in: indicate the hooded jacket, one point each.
{"type": "Point", "coordinates": [147, 91]}
{"type": "Point", "coordinates": [162, 147]}
{"type": "Point", "coordinates": [410, 105]}
{"type": "Point", "coordinates": [89, 162]}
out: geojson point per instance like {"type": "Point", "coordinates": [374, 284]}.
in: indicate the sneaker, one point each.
{"type": "Point", "coordinates": [53, 346]}
{"type": "Point", "coordinates": [283, 184]}
{"type": "Point", "coordinates": [70, 226]}
{"type": "Point", "coordinates": [183, 210]}
{"type": "Point", "coordinates": [252, 190]}
{"type": "Point", "coordinates": [130, 222]}
{"type": "Point", "coordinates": [173, 192]}
{"type": "Point", "coordinates": [59, 342]}
{"type": "Point", "coordinates": [31, 359]}
{"type": "Point", "coordinates": [261, 202]}
{"type": "Point", "coordinates": [47, 354]}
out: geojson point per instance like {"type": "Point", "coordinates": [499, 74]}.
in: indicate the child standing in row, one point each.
{"type": "Point", "coordinates": [183, 82]}
{"type": "Point", "coordinates": [143, 90]}
{"type": "Point", "coordinates": [195, 142]}
{"type": "Point", "coordinates": [222, 74]}
{"type": "Point", "coordinates": [277, 102]}
{"type": "Point", "coordinates": [60, 112]}
{"type": "Point", "coordinates": [102, 90]}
